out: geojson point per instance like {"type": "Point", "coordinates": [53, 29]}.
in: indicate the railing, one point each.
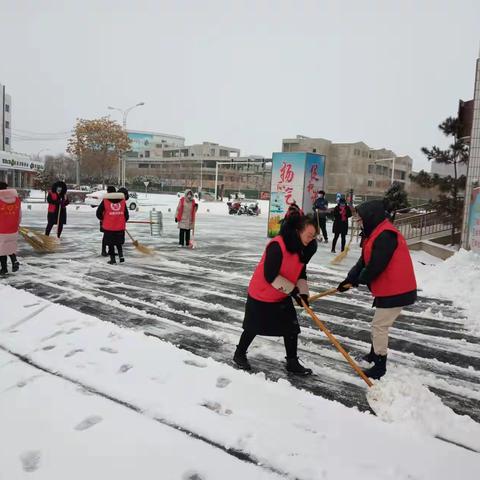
{"type": "Point", "coordinates": [422, 225]}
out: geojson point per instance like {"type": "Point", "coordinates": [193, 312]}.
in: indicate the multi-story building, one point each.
{"type": "Point", "coordinates": [151, 144]}
{"type": "Point", "coordinates": [355, 166]}
{"type": "Point", "coordinates": [5, 120]}
{"type": "Point", "coordinates": [470, 219]}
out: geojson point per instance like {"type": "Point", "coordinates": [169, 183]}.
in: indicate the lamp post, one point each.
{"type": "Point", "coordinates": [122, 162]}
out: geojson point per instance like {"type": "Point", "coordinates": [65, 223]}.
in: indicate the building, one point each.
{"type": "Point", "coordinates": [5, 120]}
{"type": "Point", "coordinates": [151, 144]}
{"type": "Point", "coordinates": [18, 169]}
{"type": "Point", "coordinates": [355, 166]}
{"type": "Point", "coordinates": [201, 167]}
{"type": "Point", "coordinates": [473, 172]}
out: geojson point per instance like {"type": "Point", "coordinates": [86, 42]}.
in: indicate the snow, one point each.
{"type": "Point", "coordinates": [60, 425]}
{"type": "Point", "coordinates": [456, 279]}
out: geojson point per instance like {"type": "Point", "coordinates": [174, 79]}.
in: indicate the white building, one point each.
{"type": "Point", "coordinates": [5, 120]}
{"type": "Point", "coordinates": [18, 169]}
{"type": "Point", "coordinates": [445, 169]}
{"type": "Point", "coordinates": [151, 144]}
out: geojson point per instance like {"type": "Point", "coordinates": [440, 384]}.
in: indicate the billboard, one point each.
{"type": "Point", "coordinates": [474, 221]}
{"type": "Point", "coordinates": [296, 177]}
{"type": "Point", "coordinates": [140, 141]}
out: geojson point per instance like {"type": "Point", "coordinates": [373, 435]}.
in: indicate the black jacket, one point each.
{"type": "Point", "coordinates": [372, 214]}
{"type": "Point", "coordinates": [340, 226]}
{"type": "Point", "coordinates": [61, 202]}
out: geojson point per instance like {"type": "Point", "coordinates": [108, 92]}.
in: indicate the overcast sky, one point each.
{"type": "Point", "coordinates": [243, 73]}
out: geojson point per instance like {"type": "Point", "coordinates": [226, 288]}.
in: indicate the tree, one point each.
{"type": "Point", "coordinates": [63, 166]}
{"type": "Point", "coordinates": [450, 203]}
{"type": "Point", "coordinates": [43, 180]}
{"type": "Point", "coordinates": [396, 197]}
{"type": "Point", "coordinates": [98, 144]}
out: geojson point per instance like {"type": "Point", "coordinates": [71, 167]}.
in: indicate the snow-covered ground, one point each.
{"type": "Point", "coordinates": [107, 370]}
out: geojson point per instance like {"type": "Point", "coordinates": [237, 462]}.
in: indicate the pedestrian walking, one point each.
{"type": "Point", "coordinates": [113, 214]}
{"type": "Point", "coordinates": [10, 216]}
{"type": "Point", "coordinates": [386, 267]}
{"type": "Point", "coordinates": [185, 217]}
{"type": "Point", "coordinates": [280, 277]}
{"type": "Point", "coordinates": [57, 200]}
{"type": "Point", "coordinates": [320, 210]}
{"type": "Point", "coordinates": [341, 213]}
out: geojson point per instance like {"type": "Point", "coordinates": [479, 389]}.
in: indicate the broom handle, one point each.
{"type": "Point", "coordinates": [59, 212]}
{"type": "Point", "coordinates": [128, 233]}
{"type": "Point", "coordinates": [332, 291]}
{"type": "Point", "coordinates": [337, 345]}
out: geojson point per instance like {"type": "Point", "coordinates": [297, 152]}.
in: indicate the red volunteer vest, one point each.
{"type": "Point", "coordinates": [291, 268]}
{"type": "Point", "coordinates": [114, 216]}
{"type": "Point", "coordinates": [53, 208]}
{"type": "Point", "coordinates": [399, 276]}
{"type": "Point", "coordinates": [180, 209]}
{"type": "Point", "coordinates": [9, 216]}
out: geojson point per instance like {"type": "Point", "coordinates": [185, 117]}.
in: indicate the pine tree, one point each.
{"type": "Point", "coordinates": [450, 203]}
{"type": "Point", "coordinates": [396, 197]}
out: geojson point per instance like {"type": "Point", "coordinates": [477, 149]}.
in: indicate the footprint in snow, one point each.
{"type": "Point", "coordinates": [88, 422]}
{"type": "Point", "coordinates": [26, 381]}
{"type": "Point", "coordinates": [48, 347]}
{"type": "Point", "coordinates": [124, 368]}
{"type": "Point", "coordinates": [223, 382]}
{"type": "Point", "coordinates": [192, 475]}
{"type": "Point", "coordinates": [71, 353]}
{"type": "Point", "coordinates": [53, 335]}
{"type": "Point", "coordinates": [73, 330]}
{"type": "Point", "coordinates": [30, 460]}
{"type": "Point", "coordinates": [195, 363]}
{"type": "Point", "coordinates": [217, 408]}
{"type": "Point", "coordinates": [108, 350]}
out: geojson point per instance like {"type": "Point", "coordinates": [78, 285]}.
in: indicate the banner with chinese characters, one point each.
{"type": "Point", "coordinates": [296, 177]}
{"type": "Point", "coordinates": [474, 221]}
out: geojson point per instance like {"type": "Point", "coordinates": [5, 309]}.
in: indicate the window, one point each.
{"type": "Point", "coordinates": [147, 153]}
{"type": "Point", "coordinates": [7, 124]}
{"type": "Point", "coordinates": [7, 141]}
{"type": "Point", "coordinates": [370, 183]}
{"type": "Point", "coordinates": [402, 175]}
{"type": "Point", "coordinates": [314, 150]}
{"type": "Point", "coordinates": [143, 165]}
{"type": "Point", "coordinates": [371, 168]}
{"type": "Point", "coordinates": [7, 107]}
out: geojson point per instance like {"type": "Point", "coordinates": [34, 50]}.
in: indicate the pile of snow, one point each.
{"type": "Point", "coordinates": [456, 279]}
{"type": "Point", "coordinates": [401, 397]}
{"type": "Point", "coordinates": [278, 427]}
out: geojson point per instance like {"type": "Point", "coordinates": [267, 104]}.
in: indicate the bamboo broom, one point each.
{"type": "Point", "coordinates": [39, 241]}
{"type": "Point", "coordinates": [341, 256]}
{"type": "Point", "coordinates": [141, 248]}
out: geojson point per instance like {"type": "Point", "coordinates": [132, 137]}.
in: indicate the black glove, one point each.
{"type": "Point", "coordinates": [176, 221]}
{"type": "Point", "coordinates": [297, 296]}
{"type": "Point", "coordinates": [347, 284]}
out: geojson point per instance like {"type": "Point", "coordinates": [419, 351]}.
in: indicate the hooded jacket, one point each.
{"type": "Point", "coordinates": [385, 259]}
{"type": "Point", "coordinates": [56, 201]}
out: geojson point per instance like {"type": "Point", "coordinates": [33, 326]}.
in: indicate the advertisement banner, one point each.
{"type": "Point", "coordinates": [474, 221]}
{"type": "Point", "coordinates": [288, 172]}
{"type": "Point", "coordinates": [314, 180]}
{"type": "Point", "coordinates": [140, 141]}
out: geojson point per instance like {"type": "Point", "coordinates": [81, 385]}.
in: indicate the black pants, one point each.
{"type": "Point", "coordinates": [290, 341]}
{"type": "Point", "coordinates": [104, 246]}
{"type": "Point", "coordinates": [111, 251]}
{"type": "Point", "coordinates": [3, 260]}
{"type": "Point", "coordinates": [184, 236]}
{"type": "Point", "coordinates": [322, 221]}
{"type": "Point", "coordinates": [335, 238]}
{"type": "Point", "coordinates": [49, 229]}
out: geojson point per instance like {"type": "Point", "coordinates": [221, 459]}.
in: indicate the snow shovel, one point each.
{"type": "Point", "coordinates": [141, 248]}
{"type": "Point", "coordinates": [331, 291]}
{"type": "Point", "coordinates": [336, 344]}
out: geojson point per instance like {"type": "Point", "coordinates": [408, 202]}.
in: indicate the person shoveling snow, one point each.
{"type": "Point", "coordinates": [386, 267]}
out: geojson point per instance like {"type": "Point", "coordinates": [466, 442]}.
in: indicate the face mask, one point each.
{"type": "Point", "coordinates": [59, 190]}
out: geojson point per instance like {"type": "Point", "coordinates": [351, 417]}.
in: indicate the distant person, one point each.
{"type": "Point", "coordinates": [57, 208]}
{"type": "Point", "coordinates": [341, 213]}
{"type": "Point", "coordinates": [280, 277]}
{"type": "Point", "coordinates": [320, 209]}
{"type": "Point", "coordinates": [185, 217]}
{"type": "Point", "coordinates": [385, 266]}
{"type": "Point", "coordinates": [10, 216]}
{"type": "Point", "coordinates": [113, 213]}
{"type": "Point", "coordinates": [110, 189]}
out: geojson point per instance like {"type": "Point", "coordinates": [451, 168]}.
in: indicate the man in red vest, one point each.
{"type": "Point", "coordinates": [386, 267]}
{"type": "Point", "coordinates": [10, 215]}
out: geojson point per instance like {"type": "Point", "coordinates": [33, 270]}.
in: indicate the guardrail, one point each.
{"type": "Point", "coordinates": [423, 225]}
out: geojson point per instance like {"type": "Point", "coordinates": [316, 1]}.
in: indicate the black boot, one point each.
{"type": "Point", "coordinates": [3, 266]}
{"type": "Point", "coordinates": [3, 272]}
{"type": "Point", "coordinates": [369, 357]}
{"type": "Point", "coordinates": [294, 366]}
{"type": "Point", "coordinates": [112, 260]}
{"type": "Point", "coordinates": [122, 259]}
{"type": "Point", "coordinates": [104, 253]}
{"type": "Point", "coordinates": [240, 358]}
{"type": "Point", "coordinates": [379, 369]}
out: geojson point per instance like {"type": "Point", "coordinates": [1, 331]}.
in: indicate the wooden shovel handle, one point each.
{"type": "Point", "coordinates": [128, 233]}
{"type": "Point", "coordinates": [336, 344]}
{"type": "Point", "coordinates": [332, 291]}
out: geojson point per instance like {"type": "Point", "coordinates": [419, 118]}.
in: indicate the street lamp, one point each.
{"type": "Point", "coordinates": [122, 162]}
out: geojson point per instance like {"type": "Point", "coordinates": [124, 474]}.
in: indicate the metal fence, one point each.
{"type": "Point", "coordinates": [422, 225]}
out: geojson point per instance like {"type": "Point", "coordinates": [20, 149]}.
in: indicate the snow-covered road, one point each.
{"type": "Point", "coordinates": [195, 299]}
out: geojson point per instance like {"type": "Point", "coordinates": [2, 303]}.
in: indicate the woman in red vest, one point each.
{"type": "Point", "coordinates": [10, 216]}
{"type": "Point", "coordinates": [387, 269]}
{"type": "Point", "coordinates": [279, 277]}
{"type": "Point", "coordinates": [57, 208]}
{"type": "Point", "coordinates": [341, 214]}
{"type": "Point", "coordinates": [185, 217]}
{"type": "Point", "coordinates": [113, 215]}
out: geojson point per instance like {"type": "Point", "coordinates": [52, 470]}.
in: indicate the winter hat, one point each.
{"type": "Point", "coordinates": [3, 186]}
{"type": "Point", "coordinates": [125, 192]}
{"type": "Point", "coordinates": [111, 189]}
